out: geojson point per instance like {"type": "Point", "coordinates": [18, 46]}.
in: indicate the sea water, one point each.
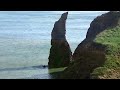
{"type": "Point", "coordinates": [25, 39]}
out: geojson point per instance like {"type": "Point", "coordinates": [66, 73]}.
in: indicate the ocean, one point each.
{"type": "Point", "coordinates": [25, 40]}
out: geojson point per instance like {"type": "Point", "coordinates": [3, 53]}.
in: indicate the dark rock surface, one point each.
{"type": "Point", "coordinates": [89, 54]}
{"type": "Point", "coordinates": [60, 52]}
{"type": "Point", "coordinates": [99, 24]}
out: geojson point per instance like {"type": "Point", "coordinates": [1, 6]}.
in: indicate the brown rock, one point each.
{"type": "Point", "coordinates": [90, 55]}
{"type": "Point", "coordinates": [99, 24]}
{"type": "Point", "coordinates": [60, 52]}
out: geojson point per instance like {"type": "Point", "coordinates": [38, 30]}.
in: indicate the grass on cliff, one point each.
{"type": "Point", "coordinates": [111, 39]}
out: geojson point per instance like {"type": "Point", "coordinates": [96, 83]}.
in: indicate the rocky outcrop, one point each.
{"type": "Point", "coordinates": [60, 52]}
{"type": "Point", "coordinates": [89, 55]}
{"type": "Point", "coordinates": [99, 24]}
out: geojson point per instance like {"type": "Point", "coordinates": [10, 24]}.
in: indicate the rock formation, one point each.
{"type": "Point", "coordinates": [99, 24]}
{"type": "Point", "coordinates": [60, 52]}
{"type": "Point", "coordinates": [89, 54]}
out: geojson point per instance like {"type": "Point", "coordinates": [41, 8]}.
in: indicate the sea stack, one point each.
{"type": "Point", "coordinates": [60, 52]}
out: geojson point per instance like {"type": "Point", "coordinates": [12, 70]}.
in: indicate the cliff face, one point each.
{"type": "Point", "coordinates": [101, 23]}
{"type": "Point", "coordinates": [60, 52]}
{"type": "Point", "coordinates": [98, 25]}
{"type": "Point", "coordinates": [96, 50]}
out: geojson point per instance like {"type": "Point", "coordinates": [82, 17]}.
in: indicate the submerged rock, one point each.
{"type": "Point", "coordinates": [60, 52]}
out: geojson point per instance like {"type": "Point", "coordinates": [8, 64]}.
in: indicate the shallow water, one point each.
{"type": "Point", "coordinates": [25, 40]}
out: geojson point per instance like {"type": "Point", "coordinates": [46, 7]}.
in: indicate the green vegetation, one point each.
{"type": "Point", "coordinates": [111, 39]}
{"type": "Point", "coordinates": [59, 55]}
{"type": "Point", "coordinates": [56, 70]}
{"type": "Point", "coordinates": [100, 60]}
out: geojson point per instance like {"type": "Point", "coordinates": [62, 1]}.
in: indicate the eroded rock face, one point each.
{"type": "Point", "coordinates": [89, 55]}
{"type": "Point", "coordinates": [98, 25]}
{"type": "Point", "coordinates": [105, 21]}
{"type": "Point", "coordinates": [60, 52]}
{"type": "Point", "coordinates": [59, 30]}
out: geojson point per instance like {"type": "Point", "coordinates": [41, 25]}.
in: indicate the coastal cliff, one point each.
{"type": "Point", "coordinates": [98, 56]}
{"type": "Point", "coordinates": [60, 52]}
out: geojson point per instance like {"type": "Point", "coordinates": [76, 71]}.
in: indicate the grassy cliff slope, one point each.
{"type": "Point", "coordinates": [111, 67]}
{"type": "Point", "coordinates": [98, 56]}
